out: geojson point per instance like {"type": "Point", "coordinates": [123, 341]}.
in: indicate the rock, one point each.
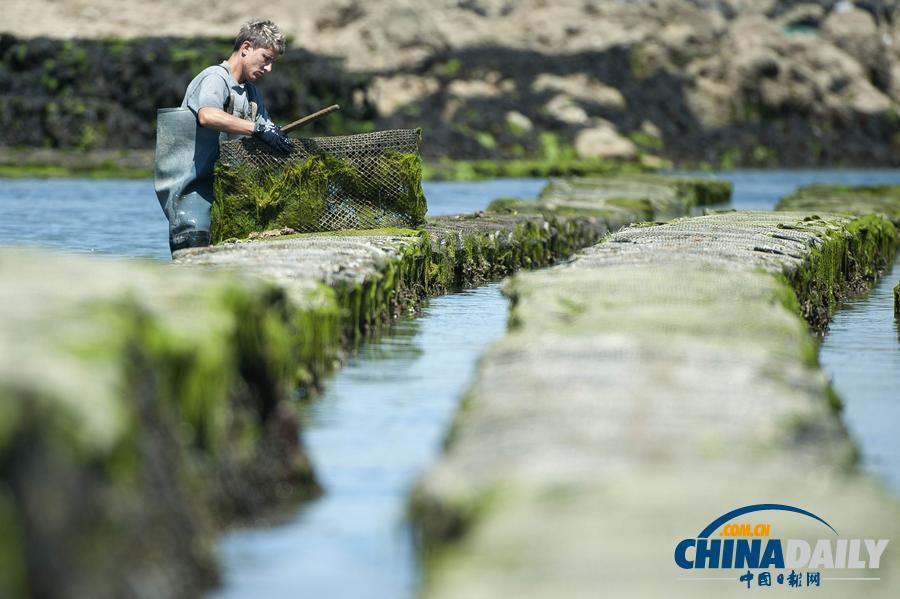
{"type": "Point", "coordinates": [895, 81]}
{"type": "Point", "coordinates": [710, 102]}
{"type": "Point", "coordinates": [488, 8]}
{"type": "Point", "coordinates": [392, 93]}
{"type": "Point", "coordinates": [866, 99]}
{"type": "Point", "coordinates": [581, 87]}
{"type": "Point", "coordinates": [340, 14]}
{"type": "Point", "coordinates": [876, 199]}
{"type": "Point", "coordinates": [474, 88]}
{"type": "Point", "coordinates": [856, 32]}
{"type": "Point", "coordinates": [802, 15]}
{"type": "Point", "coordinates": [650, 128]}
{"type": "Point", "coordinates": [716, 75]}
{"type": "Point", "coordinates": [604, 141]}
{"type": "Point", "coordinates": [403, 33]}
{"type": "Point", "coordinates": [762, 68]}
{"type": "Point", "coordinates": [565, 109]}
{"type": "Point", "coordinates": [518, 121]}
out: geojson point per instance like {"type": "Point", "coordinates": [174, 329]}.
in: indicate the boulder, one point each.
{"type": "Point", "coordinates": [391, 93]}
{"type": "Point", "coordinates": [563, 108]}
{"type": "Point", "coordinates": [856, 32]}
{"type": "Point", "coordinates": [518, 121]}
{"type": "Point", "coordinates": [476, 88]}
{"type": "Point", "coordinates": [582, 87]}
{"type": "Point", "coordinates": [803, 15]}
{"type": "Point", "coordinates": [604, 141]}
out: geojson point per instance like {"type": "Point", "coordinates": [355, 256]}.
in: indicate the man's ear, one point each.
{"type": "Point", "coordinates": [246, 46]}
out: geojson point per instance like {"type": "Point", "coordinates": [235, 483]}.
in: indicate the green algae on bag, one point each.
{"type": "Point", "coordinates": [327, 184]}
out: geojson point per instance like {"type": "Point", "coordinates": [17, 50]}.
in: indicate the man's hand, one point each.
{"type": "Point", "coordinates": [272, 135]}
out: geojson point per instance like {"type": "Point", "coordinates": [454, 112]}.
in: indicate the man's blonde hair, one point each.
{"type": "Point", "coordinates": [260, 34]}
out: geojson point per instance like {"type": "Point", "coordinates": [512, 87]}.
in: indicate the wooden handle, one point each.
{"type": "Point", "coordinates": [310, 118]}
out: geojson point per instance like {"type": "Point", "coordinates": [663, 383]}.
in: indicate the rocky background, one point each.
{"type": "Point", "coordinates": [721, 82]}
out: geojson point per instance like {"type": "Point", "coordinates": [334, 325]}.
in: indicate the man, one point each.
{"type": "Point", "coordinates": [221, 102]}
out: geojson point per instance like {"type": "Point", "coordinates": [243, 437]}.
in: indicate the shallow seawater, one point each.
{"type": "Point", "coordinates": [761, 189]}
{"type": "Point", "coordinates": [861, 352]}
{"type": "Point", "coordinates": [116, 217]}
{"type": "Point", "coordinates": [123, 217]}
{"type": "Point", "coordinates": [378, 425]}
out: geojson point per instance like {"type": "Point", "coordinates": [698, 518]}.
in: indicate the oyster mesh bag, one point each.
{"type": "Point", "coordinates": [365, 181]}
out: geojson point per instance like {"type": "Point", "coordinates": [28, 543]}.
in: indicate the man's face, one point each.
{"type": "Point", "coordinates": [257, 61]}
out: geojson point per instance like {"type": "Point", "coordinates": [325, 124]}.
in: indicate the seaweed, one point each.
{"type": "Point", "coordinates": [318, 193]}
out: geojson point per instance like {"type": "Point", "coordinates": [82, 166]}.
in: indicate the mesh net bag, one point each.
{"type": "Point", "coordinates": [366, 181]}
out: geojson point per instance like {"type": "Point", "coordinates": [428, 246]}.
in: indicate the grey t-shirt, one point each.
{"type": "Point", "coordinates": [216, 87]}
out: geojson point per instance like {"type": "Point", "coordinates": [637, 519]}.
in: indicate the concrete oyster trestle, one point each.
{"type": "Point", "coordinates": [659, 380]}
{"type": "Point", "coordinates": [143, 407]}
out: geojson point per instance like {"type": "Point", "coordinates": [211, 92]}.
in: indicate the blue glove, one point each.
{"type": "Point", "coordinates": [271, 134]}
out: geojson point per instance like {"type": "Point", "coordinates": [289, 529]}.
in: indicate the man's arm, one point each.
{"type": "Point", "coordinates": [219, 120]}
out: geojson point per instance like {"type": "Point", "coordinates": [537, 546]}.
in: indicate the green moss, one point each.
{"type": "Point", "coordinates": [764, 156]}
{"type": "Point", "coordinates": [446, 520]}
{"type": "Point", "coordinates": [450, 68]}
{"type": "Point", "coordinates": [897, 300]}
{"type": "Point", "coordinates": [642, 207]}
{"type": "Point", "coordinates": [12, 554]}
{"type": "Point", "coordinates": [296, 194]}
{"type": "Point", "coordinates": [645, 140]}
{"type": "Point", "coordinates": [699, 191]}
{"type": "Point", "coordinates": [512, 206]}
{"type": "Point", "coordinates": [730, 159]}
{"type": "Point", "coordinates": [317, 335]}
{"type": "Point", "coordinates": [50, 171]}
{"type": "Point", "coordinates": [638, 62]}
{"type": "Point", "coordinates": [850, 258]}
{"type": "Point", "coordinates": [834, 400]}
{"type": "Point", "coordinates": [408, 169]}
{"type": "Point", "coordinates": [474, 170]}
{"type": "Point", "coordinates": [486, 140]}
{"type": "Point", "coordinates": [550, 146]}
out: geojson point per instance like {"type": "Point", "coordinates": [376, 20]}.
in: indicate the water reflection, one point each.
{"type": "Point", "coordinates": [123, 218]}
{"type": "Point", "coordinates": [378, 425]}
{"type": "Point", "coordinates": [861, 352]}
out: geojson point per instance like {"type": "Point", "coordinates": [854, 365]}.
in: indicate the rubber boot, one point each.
{"type": "Point", "coordinates": [185, 158]}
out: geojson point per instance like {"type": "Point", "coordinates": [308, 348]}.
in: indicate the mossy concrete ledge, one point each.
{"type": "Point", "coordinates": [374, 274]}
{"type": "Point", "coordinates": [659, 380]}
{"type": "Point", "coordinates": [882, 200]}
{"type": "Point", "coordinates": [142, 408]}
{"type": "Point", "coordinates": [846, 199]}
{"type": "Point", "coordinates": [653, 197]}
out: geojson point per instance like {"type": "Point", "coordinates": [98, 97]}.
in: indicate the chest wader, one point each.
{"type": "Point", "coordinates": [186, 155]}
